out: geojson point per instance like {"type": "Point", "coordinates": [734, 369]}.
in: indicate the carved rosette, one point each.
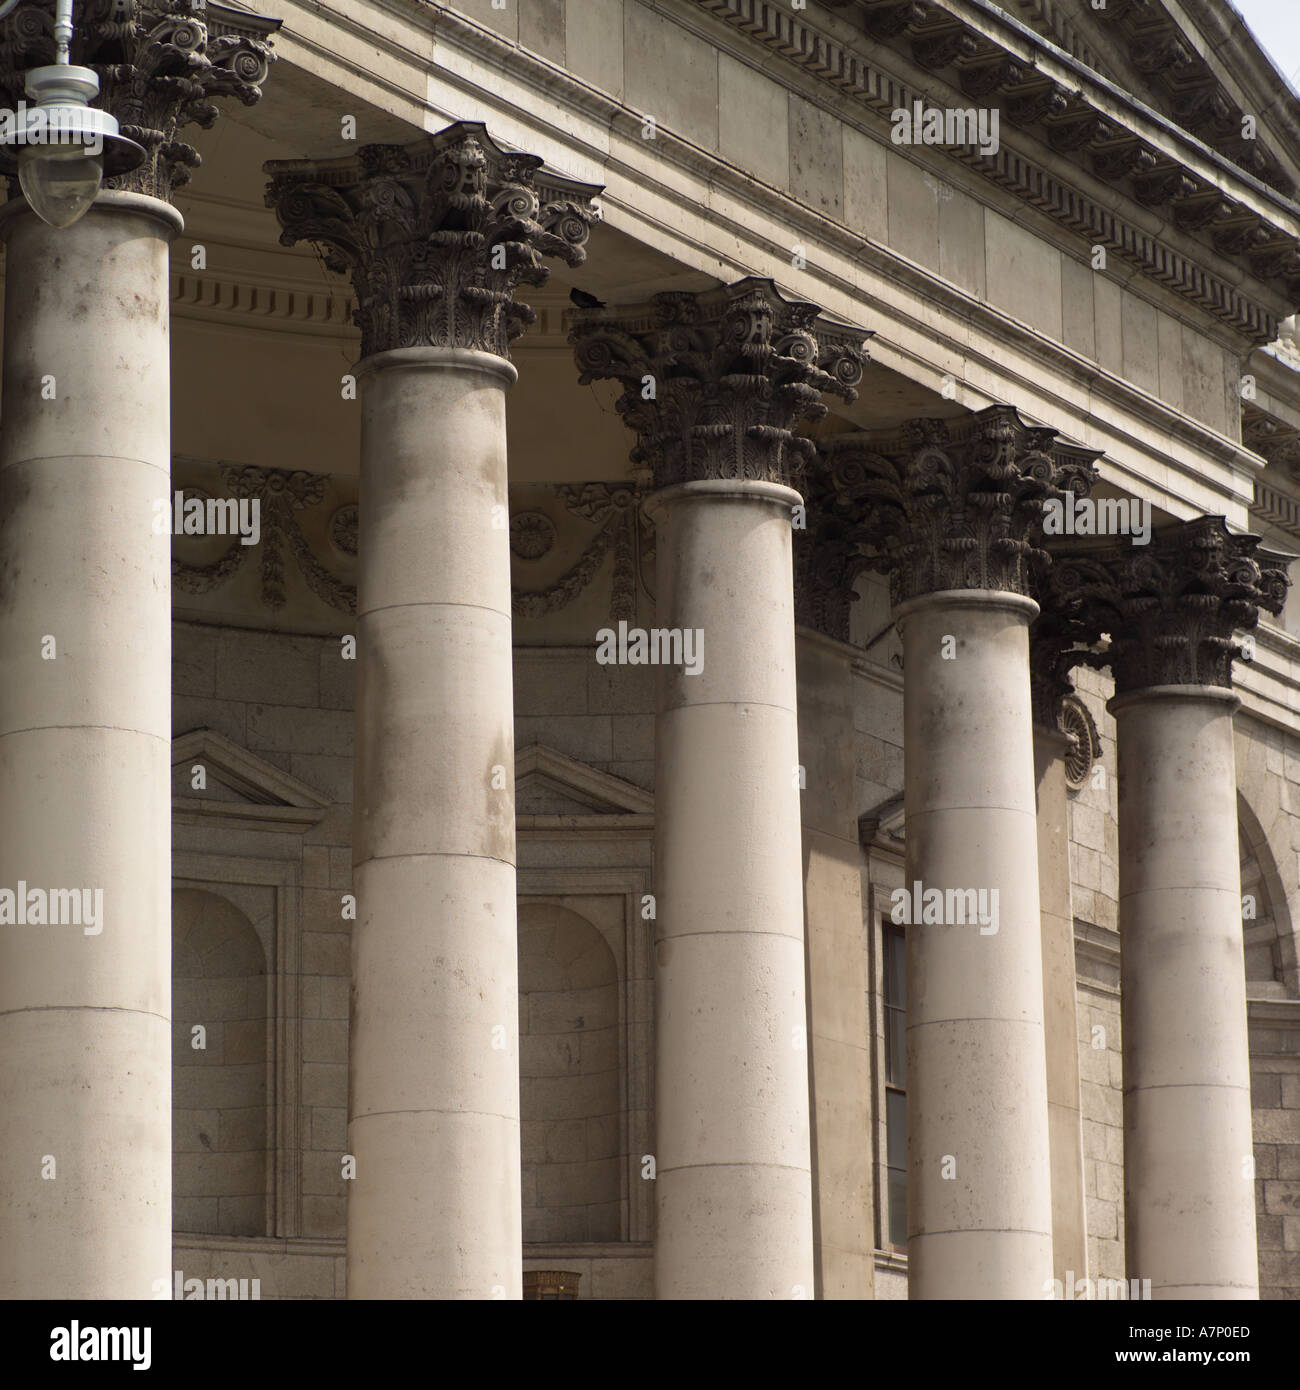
{"type": "Point", "coordinates": [714, 384]}
{"type": "Point", "coordinates": [955, 504]}
{"type": "Point", "coordinates": [161, 64]}
{"type": "Point", "coordinates": [436, 234]}
{"type": "Point", "coordinates": [1171, 608]}
{"type": "Point", "coordinates": [615, 511]}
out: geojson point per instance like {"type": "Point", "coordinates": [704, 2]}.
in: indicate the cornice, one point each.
{"type": "Point", "coordinates": [1096, 957]}
{"type": "Point", "coordinates": [945, 25]}
{"type": "Point", "coordinates": [1226, 36]}
{"type": "Point", "coordinates": [1274, 1013]}
{"type": "Point", "coordinates": [1162, 55]}
{"type": "Point", "coordinates": [274, 304]}
{"type": "Point", "coordinates": [877, 674]}
{"type": "Point", "coordinates": [1274, 439]}
{"type": "Point", "coordinates": [1172, 172]}
{"type": "Point", "coordinates": [1276, 507]}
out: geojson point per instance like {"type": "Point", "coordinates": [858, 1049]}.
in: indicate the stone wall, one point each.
{"type": "Point", "coordinates": [286, 701]}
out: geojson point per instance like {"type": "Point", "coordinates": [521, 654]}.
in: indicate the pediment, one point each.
{"type": "Point", "coordinates": [239, 789]}
{"type": "Point", "coordinates": [884, 826]}
{"type": "Point", "coordinates": [550, 783]}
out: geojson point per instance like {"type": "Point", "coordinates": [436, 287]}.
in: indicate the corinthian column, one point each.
{"type": "Point", "coordinates": [1171, 610]}
{"type": "Point", "coordinates": [85, 647]}
{"type": "Point", "coordinates": [437, 234]}
{"type": "Point", "coordinates": [952, 512]}
{"type": "Point", "coordinates": [715, 384]}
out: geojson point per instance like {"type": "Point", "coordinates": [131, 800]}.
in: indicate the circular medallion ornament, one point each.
{"type": "Point", "coordinates": [1078, 723]}
{"type": "Point", "coordinates": [343, 529]}
{"type": "Point", "coordinates": [532, 534]}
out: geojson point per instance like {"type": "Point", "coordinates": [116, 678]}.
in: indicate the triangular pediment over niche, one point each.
{"type": "Point", "coordinates": [239, 788]}
{"type": "Point", "coordinates": [884, 826]}
{"type": "Point", "coordinates": [549, 784]}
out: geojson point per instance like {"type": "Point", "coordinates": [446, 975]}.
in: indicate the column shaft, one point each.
{"type": "Point", "coordinates": [1061, 1036]}
{"type": "Point", "coordinates": [85, 753]}
{"type": "Point", "coordinates": [733, 1183]}
{"type": "Point", "coordinates": [1188, 1175]}
{"type": "Point", "coordinates": [979, 1192]}
{"type": "Point", "coordinates": [434, 1210]}
{"type": "Point", "coordinates": [839, 1026]}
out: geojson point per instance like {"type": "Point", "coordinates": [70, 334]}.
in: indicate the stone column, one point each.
{"type": "Point", "coordinates": [839, 1027]}
{"type": "Point", "coordinates": [1053, 747]}
{"type": "Point", "coordinates": [953, 513]}
{"type": "Point", "coordinates": [437, 234]}
{"type": "Point", "coordinates": [1171, 610]}
{"type": "Point", "coordinates": [728, 375]}
{"type": "Point", "coordinates": [85, 701]}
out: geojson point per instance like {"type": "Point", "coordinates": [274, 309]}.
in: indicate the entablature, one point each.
{"type": "Point", "coordinates": [888, 54]}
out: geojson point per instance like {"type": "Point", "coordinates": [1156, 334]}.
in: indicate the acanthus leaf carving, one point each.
{"type": "Point", "coordinates": [955, 504]}
{"type": "Point", "coordinates": [437, 234]}
{"type": "Point", "coordinates": [161, 66]}
{"type": "Point", "coordinates": [714, 384]}
{"type": "Point", "coordinates": [1172, 608]}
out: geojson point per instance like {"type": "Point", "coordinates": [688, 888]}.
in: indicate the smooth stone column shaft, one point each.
{"type": "Point", "coordinates": [434, 1210]}
{"type": "Point", "coordinates": [731, 1083]}
{"type": "Point", "coordinates": [85, 752]}
{"type": "Point", "coordinates": [839, 1026]}
{"type": "Point", "coordinates": [1189, 1191]}
{"type": "Point", "coordinates": [979, 1186]}
{"type": "Point", "coordinates": [1061, 1035]}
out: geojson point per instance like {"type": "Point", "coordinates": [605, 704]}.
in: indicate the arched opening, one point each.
{"type": "Point", "coordinates": [1266, 922]}
{"type": "Point", "coordinates": [219, 1069]}
{"type": "Point", "coordinates": [569, 1077]}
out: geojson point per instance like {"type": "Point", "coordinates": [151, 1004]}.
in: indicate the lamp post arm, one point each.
{"type": "Point", "coordinates": [63, 31]}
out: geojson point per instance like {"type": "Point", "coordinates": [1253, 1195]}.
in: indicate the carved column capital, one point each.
{"type": "Point", "coordinates": [1058, 642]}
{"type": "Point", "coordinates": [160, 65]}
{"type": "Point", "coordinates": [714, 384]}
{"type": "Point", "coordinates": [827, 558]}
{"type": "Point", "coordinates": [955, 504]}
{"type": "Point", "coordinates": [1171, 608]}
{"type": "Point", "coordinates": [436, 234]}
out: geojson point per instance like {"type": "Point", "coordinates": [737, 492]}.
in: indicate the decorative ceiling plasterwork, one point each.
{"type": "Point", "coordinates": [1065, 120]}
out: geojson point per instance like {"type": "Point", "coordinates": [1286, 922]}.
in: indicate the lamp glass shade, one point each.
{"type": "Point", "coordinates": [60, 181]}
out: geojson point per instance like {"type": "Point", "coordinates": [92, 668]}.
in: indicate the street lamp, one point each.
{"type": "Point", "coordinates": [63, 145]}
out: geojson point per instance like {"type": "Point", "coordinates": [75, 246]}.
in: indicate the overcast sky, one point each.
{"type": "Point", "coordinates": [1276, 24]}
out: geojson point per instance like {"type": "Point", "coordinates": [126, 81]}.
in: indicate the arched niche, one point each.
{"type": "Point", "coordinates": [1266, 921]}
{"type": "Point", "coordinates": [569, 1077]}
{"type": "Point", "coordinates": [220, 1122]}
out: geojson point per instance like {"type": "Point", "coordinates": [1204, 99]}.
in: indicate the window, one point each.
{"type": "Point", "coordinates": [895, 999]}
